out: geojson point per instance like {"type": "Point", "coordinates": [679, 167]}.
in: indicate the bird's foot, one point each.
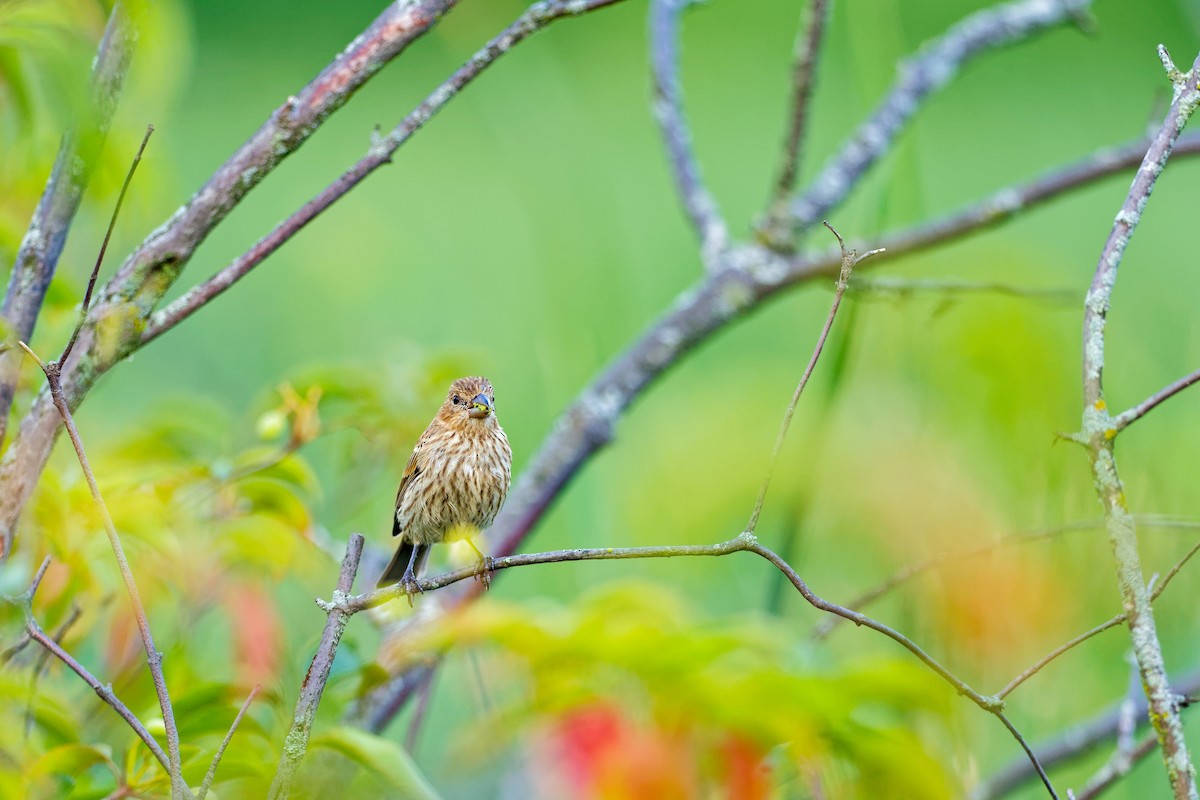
{"type": "Point", "coordinates": [484, 576]}
{"type": "Point", "coordinates": [410, 585]}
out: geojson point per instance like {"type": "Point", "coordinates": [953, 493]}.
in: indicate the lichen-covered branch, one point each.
{"type": "Point", "coordinates": [1099, 430]}
{"type": "Point", "coordinates": [37, 257]}
{"type": "Point", "coordinates": [804, 70]}
{"type": "Point", "coordinates": [296, 743]}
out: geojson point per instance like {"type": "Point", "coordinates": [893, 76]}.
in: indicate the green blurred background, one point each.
{"type": "Point", "coordinates": [531, 233]}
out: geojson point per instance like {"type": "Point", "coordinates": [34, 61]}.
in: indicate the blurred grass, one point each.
{"type": "Point", "coordinates": [531, 232]}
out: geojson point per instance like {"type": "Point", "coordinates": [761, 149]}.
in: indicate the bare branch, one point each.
{"type": "Point", "coordinates": [912, 571]}
{"type": "Point", "coordinates": [1099, 430]}
{"type": "Point", "coordinates": [212, 768]}
{"type": "Point", "coordinates": [112, 222]}
{"type": "Point", "coordinates": [1074, 742]}
{"type": "Point", "coordinates": [296, 743]}
{"type": "Point", "coordinates": [904, 287]}
{"type": "Point", "coordinates": [42, 246]}
{"type": "Point", "coordinates": [699, 204]}
{"type": "Point", "coordinates": [153, 656]}
{"type": "Point", "coordinates": [1117, 767]}
{"type": "Point", "coordinates": [104, 692]}
{"type": "Point", "coordinates": [744, 542]}
{"type": "Point", "coordinates": [929, 70]}
{"type": "Point", "coordinates": [1127, 418]}
{"type": "Point", "coordinates": [383, 148]}
{"type": "Point", "coordinates": [808, 52]}
{"type": "Point", "coordinates": [850, 259]}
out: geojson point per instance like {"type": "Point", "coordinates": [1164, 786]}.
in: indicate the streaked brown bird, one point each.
{"type": "Point", "coordinates": [456, 478]}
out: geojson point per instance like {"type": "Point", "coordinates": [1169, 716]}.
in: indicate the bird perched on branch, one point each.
{"type": "Point", "coordinates": [455, 481]}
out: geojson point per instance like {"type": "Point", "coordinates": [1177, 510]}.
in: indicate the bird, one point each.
{"type": "Point", "coordinates": [456, 480]}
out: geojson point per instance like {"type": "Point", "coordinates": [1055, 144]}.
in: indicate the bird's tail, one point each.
{"type": "Point", "coordinates": [399, 563]}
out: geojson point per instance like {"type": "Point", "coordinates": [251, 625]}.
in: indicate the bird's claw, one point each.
{"type": "Point", "coordinates": [410, 586]}
{"type": "Point", "coordinates": [484, 576]}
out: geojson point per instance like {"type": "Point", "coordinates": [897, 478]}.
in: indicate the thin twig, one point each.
{"type": "Point", "coordinates": [37, 258]}
{"type": "Point", "coordinates": [891, 285]}
{"type": "Point", "coordinates": [1098, 431]}
{"type": "Point", "coordinates": [697, 201]}
{"type": "Point", "coordinates": [744, 542]}
{"type": "Point", "coordinates": [112, 222]}
{"type": "Point", "coordinates": [1117, 767]}
{"type": "Point", "coordinates": [212, 768]}
{"type": "Point", "coordinates": [850, 259]}
{"type": "Point", "coordinates": [104, 692]}
{"type": "Point", "coordinates": [153, 656]}
{"type": "Point", "coordinates": [1074, 742]}
{"type": "Point", "coordinates": [382, 149]}
{"type": "Point", "coordinates": [1127, 418]}
{"type": "Point", "coordinates": [1119, 619]}
{"type": "Point", "coordinates": [39, 665]}
{"type": "Point", "coordinates": [808, 52]}
{"type": "Point", "coordinates": [296, 744]}
{"type": "Point", "coordinates": [937, 62]}
{"type": "Point", "coordinates": [424, 692]}
{"type": "Point", "coordinates": [912, 571]}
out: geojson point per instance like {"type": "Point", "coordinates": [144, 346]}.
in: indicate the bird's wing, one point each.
{"type": "Point", "coordinates": [411, 470]}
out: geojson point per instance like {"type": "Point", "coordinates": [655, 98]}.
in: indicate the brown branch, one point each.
{"type": "Point", "coordinates": [112, 223]}
{"type": "Point", "coordinates": [237, 720]}
{"type": "Point", "coordinates": [153, 656]}
{"type": "Point", "coordinates": [808, 52]}
{"type": "Point", "coordinates": [383, 148]}
{"type": "Point", "coordinates": [697, 201]}
{"type": "Point", "coordinates": [1099, 429]}
{"type": "Point", "coordinates": [43, 659]}
{"type": "Point", "coordinates": [148, 273]}
{"type": "Point", "coordinates": [850, 259]}
{"type": "Point", "coordinates": [1127, 418]}
{"type": "Point", "coordinates": [937, 62]}
{"type": "Point", "coordinates": [104, 692]}
{"type": "Point", "coordinates": [744, 542]}
{"type": "Point", "coordinates": [42, 245]}
{"type": "Point", "coordinates": [296, 743]}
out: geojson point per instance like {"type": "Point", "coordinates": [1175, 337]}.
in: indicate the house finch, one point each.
{"type": "Point", "coordinates": [456, 478]}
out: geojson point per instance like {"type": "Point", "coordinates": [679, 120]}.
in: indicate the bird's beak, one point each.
{"type": "Point", "coordinates": [480, 407]}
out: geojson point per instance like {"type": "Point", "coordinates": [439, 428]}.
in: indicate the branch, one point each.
{"type": "Point", "coordinates": [1099, 430]}
{"type": "Point", "coordinates": [212, 768]}
{"type": "Point", "coordinates": [382, 149]}
{"type": "Point", "coordinates": [1127, 418]}
{"type": "Point", "coordinates": [699, 204]}
{"type": "Point", "coordinates": [850, 259]}
{"type": "Point", "coordinates": [1076, 741]}
{"type": "Point", "coordinates": [921, 75]}
{"type": "Point", "coordinates": [104, 692]}
{"type": "Point", "coordinates": [148, 273]}
{"type": "Point", "coordinates": [1117, 767]}
{"type": "Point", "coordinates": [112, 223]}
{"type": "Point", "coordinates": [296, 743]}
{"type": "Point", "coordinates": [153, 656]}
{"type": "Point", "coordinates": [940, 560]}
{"type": "Point", "coordinates": [744, 542]}
{"type": "Point", "coordinates": [42, 245]}
{"type": "Point", "coordinates": [808, 51]}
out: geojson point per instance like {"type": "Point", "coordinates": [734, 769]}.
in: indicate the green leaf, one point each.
{"type": "Point", "coordinates": [383, 757]}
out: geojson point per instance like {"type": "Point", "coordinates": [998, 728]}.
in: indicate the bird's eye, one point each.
{"type": "Point", "coordinates": [456, 400]}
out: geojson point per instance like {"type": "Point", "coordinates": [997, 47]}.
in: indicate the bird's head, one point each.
{"type": "Point", "coordinates": [470, 400]}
